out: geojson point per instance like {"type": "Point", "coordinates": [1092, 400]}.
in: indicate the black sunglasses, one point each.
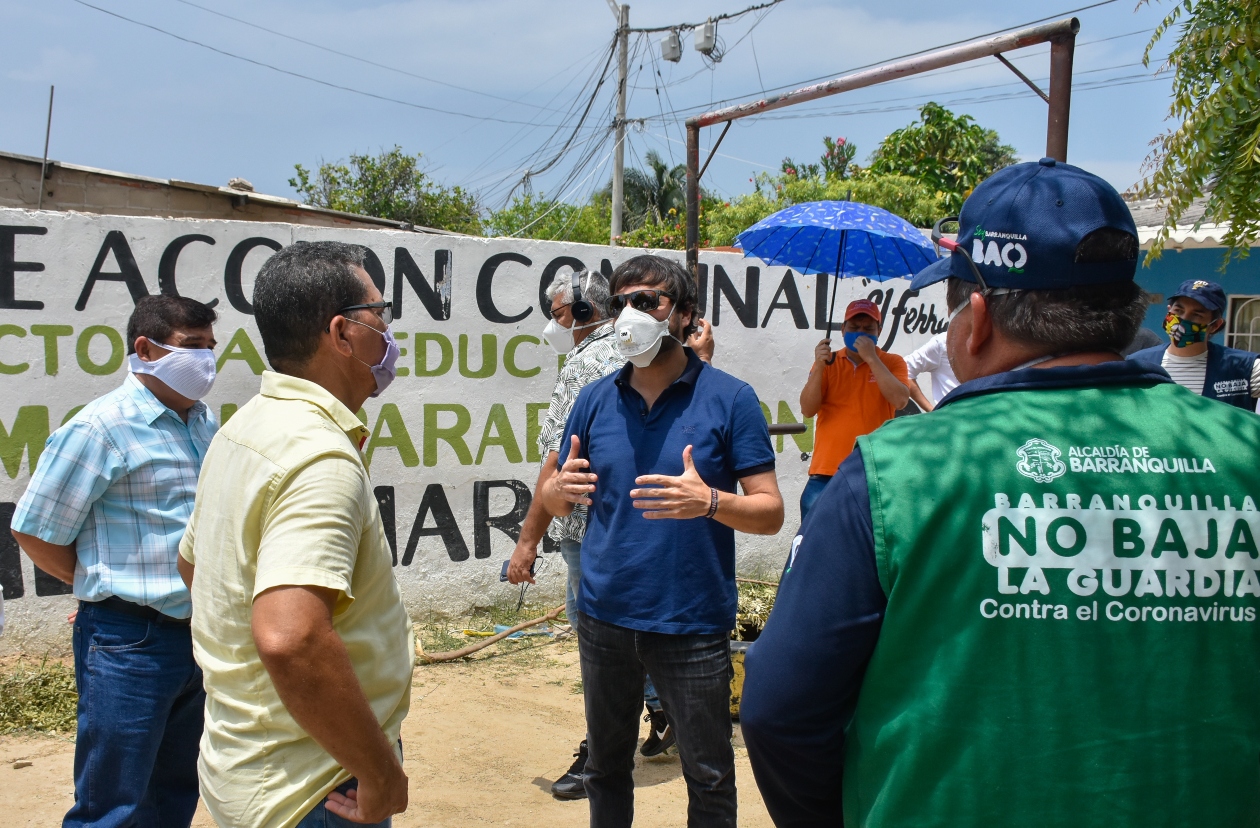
{"type": "Point", "coordinates": [386, 310]}
{"type": "Point", "coordinates": [640, 300]}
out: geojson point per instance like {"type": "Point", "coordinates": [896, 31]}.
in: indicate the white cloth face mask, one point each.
{"type": "Point", "coordinates": [639, 335]}
{"type": "Point", "coordinates": [189, 372]}
{"type": "Point", "coordinates": [560, 338]}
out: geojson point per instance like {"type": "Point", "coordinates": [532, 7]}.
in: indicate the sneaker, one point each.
{"type": "Point", "coordinates": [570, 786]}
{"type": "Point", "coordinates": [661, 738]}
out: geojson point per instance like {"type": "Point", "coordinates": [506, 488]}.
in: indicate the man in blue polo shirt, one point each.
{"type": "Point", "coordinates": [655, 451]}
{"type": "Point", "coordinates": [1195, 315]}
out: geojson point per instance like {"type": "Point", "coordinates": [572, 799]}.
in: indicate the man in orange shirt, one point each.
{"type": "Point", "coordinates": [851, 396]}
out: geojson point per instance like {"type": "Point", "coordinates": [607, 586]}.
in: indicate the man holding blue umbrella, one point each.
{"type": "Point", "coordinates": [855, 395]}
{"type": "Point", "coordinates": [850, 396]}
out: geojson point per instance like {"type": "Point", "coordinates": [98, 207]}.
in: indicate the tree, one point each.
{"type": "Point", "coordinates": [951, 153]}
{"type": "Point", "coordinates": [649, 195]}
{"type": "Point", "coordinates": [833, 165]}
{"type": "Point", "coordinates": [388, 185]}
{"type": "Point", "coordinates": [1216, 149]}
{"type": "Point", "coordinates": [538, 217]}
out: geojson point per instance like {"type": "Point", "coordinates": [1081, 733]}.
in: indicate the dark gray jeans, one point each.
{"type": "Point", "coordinates": [692, 674]}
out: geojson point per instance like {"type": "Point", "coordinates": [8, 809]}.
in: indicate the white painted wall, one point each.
{"type": "Point", "coordinates": [64, 353]}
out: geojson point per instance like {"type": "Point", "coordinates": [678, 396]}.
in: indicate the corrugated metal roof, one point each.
{"type": "Point", "coordinates": [249, 195]}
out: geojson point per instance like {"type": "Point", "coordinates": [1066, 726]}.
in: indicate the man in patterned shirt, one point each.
{"type": "Point", "coordinates": [591, 347]}
{"type": "Point", "coordinates": [105, 510]}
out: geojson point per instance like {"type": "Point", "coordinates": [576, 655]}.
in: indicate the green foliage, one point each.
{"type": "Point", "coordinates": [38, 697]}
{"type": "Point", "coordinates": [538, 217]}
{"type": "Point", "coordinates": [650, 195]}
{"type": "Point", "coordinates": [755, 603]}
{"type": "Point", "coordinates": [388, 185]}
{"type": "Point", "coordinates": [947, 152]}
{"type": "Point", "coordinates": [835, 163]}
{"type": "Point", "coordinates": [1216, 149]}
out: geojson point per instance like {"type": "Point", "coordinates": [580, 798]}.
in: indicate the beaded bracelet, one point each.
{"type": "Point", "coordinates": [713, 502]}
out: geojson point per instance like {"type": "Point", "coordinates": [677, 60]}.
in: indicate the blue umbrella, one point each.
{"type": "Point", "coordinates": [843, 238]}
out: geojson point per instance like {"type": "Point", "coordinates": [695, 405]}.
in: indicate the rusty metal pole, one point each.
{"type": "Point", "coordinates": [1062, 50]}
{"type": "Point", "coordinates": [693, 200]}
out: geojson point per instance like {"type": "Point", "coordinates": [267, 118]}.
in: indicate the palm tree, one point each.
{"type": "Point", "coordinates": [650, 194]}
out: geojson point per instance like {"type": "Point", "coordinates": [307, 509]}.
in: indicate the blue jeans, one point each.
{"type": "Point", "coordinates": [571, 551]}
{"type": "Point", "coordinates": [813, 488]}
{"type": "Point", "coordinates": [693, 676]}
{"type": "Point", "coordinates": [321, 817]}
{"type": "Point", "coordinates": [139, 721]}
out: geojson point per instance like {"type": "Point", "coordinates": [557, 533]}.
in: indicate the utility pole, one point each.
{"type": "Point", "coordinates": [43, 167]}
{"type": "Point", "coordinates": [619, 150]}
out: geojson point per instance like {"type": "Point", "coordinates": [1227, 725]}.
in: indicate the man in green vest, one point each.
{"type": "Point", "coordinates": [1037, 605]}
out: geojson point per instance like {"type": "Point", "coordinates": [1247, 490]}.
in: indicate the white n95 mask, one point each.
{"type": "Point", "coordinates": [189, 372]}
{"type": "Point", "coordinates": [560, 338]}
{"type": "Point", "coordinates": [639, 335]}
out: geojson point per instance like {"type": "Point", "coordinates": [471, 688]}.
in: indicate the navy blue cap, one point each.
{"type": "Point", "coordinates": [1208, 294]}
{"type": "Point", "coordinates": [1022, 226]}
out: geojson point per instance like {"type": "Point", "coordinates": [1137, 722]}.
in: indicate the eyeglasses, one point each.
{"type": "Point", "coordinates": [640, 300]}
{"type": "Point", "coordinates": [938, 238]}
{"type": "Point", "coordinates": [386, 310]}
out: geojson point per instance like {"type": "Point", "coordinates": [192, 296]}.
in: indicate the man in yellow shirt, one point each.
{"type": "Point", "coordinates": [298, 624]}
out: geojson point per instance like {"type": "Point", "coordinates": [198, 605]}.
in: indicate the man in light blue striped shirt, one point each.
{"type": "Point", "coordinates": [105, 510]}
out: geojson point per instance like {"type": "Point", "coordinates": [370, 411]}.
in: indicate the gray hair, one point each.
{"type": "Point", "coordinates": [1102, 317]}
{"type": "Point", "coordinates": [594, 286]}
{"type": "Point", "coordinates": [298, 292]}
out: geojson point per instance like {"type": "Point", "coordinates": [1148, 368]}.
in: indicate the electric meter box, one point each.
{"type": "Point", "coordinates": [671, 48]}
{"type": "Point", "coordinates": [706, 37]}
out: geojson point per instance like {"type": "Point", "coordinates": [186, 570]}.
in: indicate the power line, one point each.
{"type": "Point", "coordinates": [798, 84]}
{"type": "Point", "coordinates": [291, 73]}
{"type": "Point", "coordinates": [330, 50]}
{"type": "Point", "coordinates": [682, 27]}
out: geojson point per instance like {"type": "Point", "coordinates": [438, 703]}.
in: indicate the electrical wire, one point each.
{"type": "Point", "coordinates": [798, 84]}
{"type": "Point", "coordinates": [299, 75]}
{"type": "Point", "coordinates": [363, 60]}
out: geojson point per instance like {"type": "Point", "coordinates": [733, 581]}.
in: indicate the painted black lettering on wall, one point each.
{"type": "Point", "coordinates": [232, 272]}
{"type": "Point", "coordinates": [385, 502]}
{"type": "Point", "coordinates": [10, 558]}
{"type": "Point", "coordinates": [376, 270]}
{"type": "Point", "coordinates": [791, 302]}
{"type": "Point", "coordinates": [9, 266]}
{"type": "Point", "coordinates": [434, 502]}
{"type": "Point", "coordinates": [745, 306]}
{"type": "Point", "coordinates": [436, 298]}
{"type": "Point", "coordinates": [485, 283]}
{"type": "Point", "coordinates": [508, 523]}
{"type": "Point", "coordinates": [170, 258]}
{"type": "Point", "coordinates": [11, 564]}
{"type": "Point", "coordinates": [128, 271]}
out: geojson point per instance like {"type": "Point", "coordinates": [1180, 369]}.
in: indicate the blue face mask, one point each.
{"type": "Point", "coordinates": [850, 340]}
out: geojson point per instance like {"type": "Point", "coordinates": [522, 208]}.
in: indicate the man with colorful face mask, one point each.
{"type": "Point", "coordinates": [850, 396]}
{"type": "Point", "coordinates": [1195, 314]}
{"type": "Point", "coordinates": [1040, 605]}
{"type": "Point", "coordinates": [298, 622]}
{"type": "Point", "coordinates": [656, 452]}
{"type": "Point", "coordinates": [105, 511]}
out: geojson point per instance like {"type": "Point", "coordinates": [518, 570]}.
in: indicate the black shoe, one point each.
{"type": "Point", "coordinates": [661, 738]}
{"type": "Point", "coordinates": [570, 785]}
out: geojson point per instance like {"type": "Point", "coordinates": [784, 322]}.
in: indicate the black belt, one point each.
{"type": "Point", "coordinates": [116, 604]}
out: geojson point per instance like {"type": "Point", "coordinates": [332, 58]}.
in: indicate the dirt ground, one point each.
{"type": "Point", "coordinates": [482, 744]}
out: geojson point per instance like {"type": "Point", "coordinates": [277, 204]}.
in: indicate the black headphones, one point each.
{"type": "Point", "coordinates": [581, 309]}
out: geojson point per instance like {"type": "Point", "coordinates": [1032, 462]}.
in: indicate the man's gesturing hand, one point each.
{"type": "Point", "coordinates": [372, 803]}
{"type": "Point", "coordinates": [574, 483]}
{"type": "Point", "coordinates": [685, 496]}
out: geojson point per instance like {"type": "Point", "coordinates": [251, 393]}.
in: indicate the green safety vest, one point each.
{"type": "Point", "coordinates": [1071, 637]}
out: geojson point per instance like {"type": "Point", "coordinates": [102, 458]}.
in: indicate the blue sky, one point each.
{"type": "Point", "coordinates": [132, 99]}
